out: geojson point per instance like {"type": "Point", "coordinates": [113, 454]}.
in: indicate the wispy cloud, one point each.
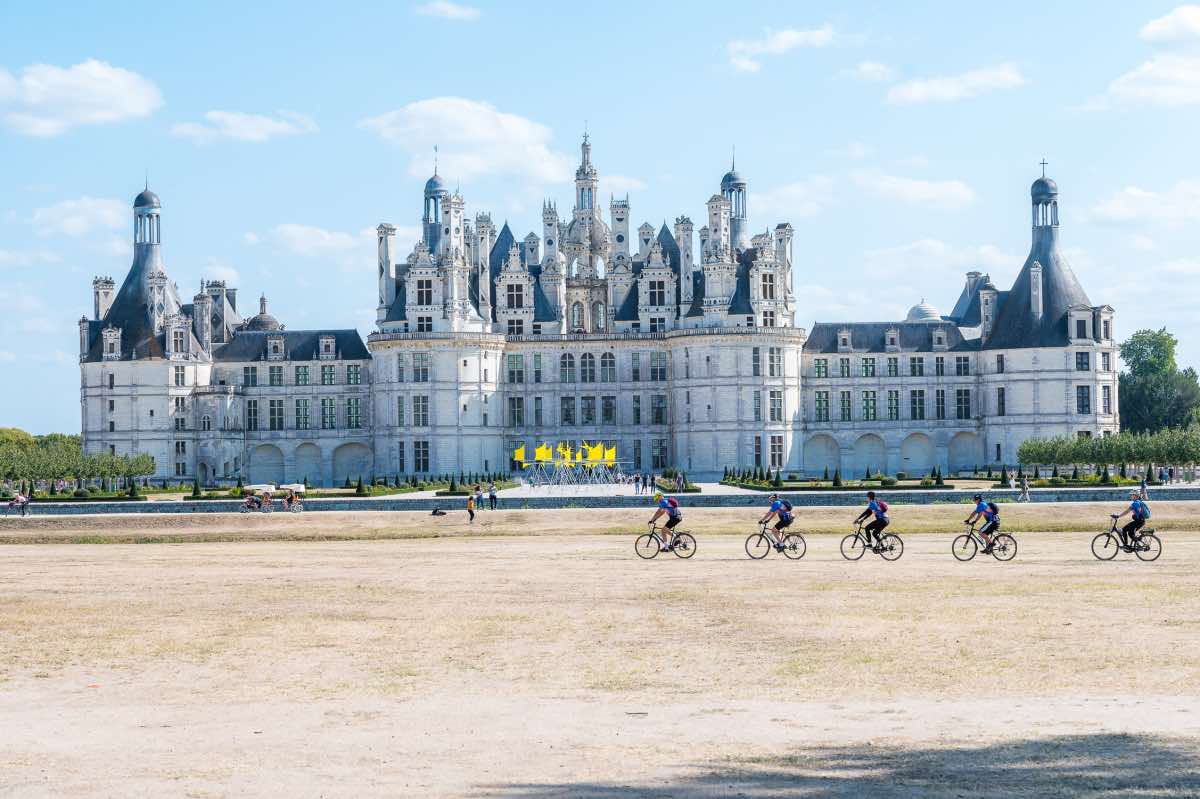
{"type": "Point", "coordinates": [854, 150]}
{"type": "Point", "coordinates": [80, 217]}
{"type": "Point", "coordinates": [1169, 80]}
{"type": "Point", "coordinates": [948, 194]}
{"type": "Point", "coordinates": [475, 138]}
{"type": "Point", "coordinates": [620, 184]}
{"type": "Point", "coordinates": [352, 252]}
{"type": "Point", "coordinates": [447, 10]}
{"type": "Point", "coordinates": [1181, 24]}
{"type": "Point", "coordinates": [798, 199]}
{"type": "Point", "coordinates": [745, 55]}
{"type": "Point", "coordinates": [217, 269]}
{"type": "Point", "coordinates": [46, 100]}
{"type": "Point", "coordinates": [15, 258]}
{"type": "Point", "coordinates": [238, 126]}
{"type": "Point", "coordinates": [1180, 203]}
{"type": "Point", "coordinates": [871, 72]}
{"type": "Point", "coordinates": [934, 255]}
{"type": "Point", "coordinates": [957, 87]}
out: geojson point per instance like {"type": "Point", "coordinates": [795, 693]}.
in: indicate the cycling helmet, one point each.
{"type": "Point", "coordinates": [979, 497]}
{"type": "Point", "coordinates": [658, 496]}
{"type": "Point", "coordinates": [870, 495]}
{"type": "Point", "coordinates": [773, 496]}
{"type": "Point", "coordinates": [1134, 494]}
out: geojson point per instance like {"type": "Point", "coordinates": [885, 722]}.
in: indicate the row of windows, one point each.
{"type": "Point", "coordinates": [571, 411]}
{"type": "Point", "coordinates": [300, 375]}
{"type": "Point", "coordinates": [869, 405]}
{"type": "Point", "coordinates": [776, 451]}
{"type": "Point", "coordinates": [302, 418]}
{"type": "Point", "coordinates": [867, 366]}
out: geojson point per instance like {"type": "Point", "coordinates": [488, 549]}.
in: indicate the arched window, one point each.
{"type": "Point", "coordinates": [598, 316]}
{"type": "Point", "coordinates": [577, 317]}
{"type": "Point", "coordinates": [566, 368]}
{"type": "Point", "coordinates": [608, 368]}
{"type": "Point", "coordinates": [587, 368]}
{"type": "Point", "coordinates": [206, 423]}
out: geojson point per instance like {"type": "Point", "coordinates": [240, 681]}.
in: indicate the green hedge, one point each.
{"type": "Point", "coordinates": [872, 486]}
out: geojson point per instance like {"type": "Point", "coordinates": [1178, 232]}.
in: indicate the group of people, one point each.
{"type": "Point", "coordinates": [475, 499]}
{"type": "Point", "coordinates": [643, 481]}
{"type": "Point", "coordinates": [262, 501]}
{"type": "Point", "coordinates": [19, 503]}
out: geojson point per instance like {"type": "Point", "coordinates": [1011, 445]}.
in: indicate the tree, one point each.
{"type": "Point", "coordinates": [837, 477]}
{"type": "Point", "coordinates": [778, 481]}
{"type": "Point", "coordinates": [1154, 393]}
{"type": "Point", "coordinates": [825, 476]}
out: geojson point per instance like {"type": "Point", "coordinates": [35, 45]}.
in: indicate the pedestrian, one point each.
{"type": "Point", "coordinates": [1024, 489]}
{"type": "Point", "coordinates": [1012, 482]}
{"type": "Point", "coordinates": [679, 482]}
{"type": "Point", "coordinates": [479, 496]}
{"type": "Point", "coordinates": [492, 496]}
{"type": "Point", "coordinates": [637, 483]}
{"type": "Point", "coordinates": [1142, 489]}
{"type": "Point", "coordinates": [471, 508]}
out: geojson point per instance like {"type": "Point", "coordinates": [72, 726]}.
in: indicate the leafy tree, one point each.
{"type": "Point", "coordinates": [1154, 392]}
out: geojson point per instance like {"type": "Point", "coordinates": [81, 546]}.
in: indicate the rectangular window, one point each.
{"type": "Point", "coordinates": [112, 379]}
{"type": "Point", "coordinates": [1106, 326]}
{"type": "Point", "coordinates": [180, 423]}
{"type": "Point", "coordinates": [776, 408]}
{"type": "Point", "coordinates": [756, 362]}
{"type": "Point", "coordinates": [112, 405]}
{"type": "Point", "coordinates": [893, 405]}
{"type": "Point", "coordinates": [939, 366]}
{"type": "Point", "coordinates": [424, 324]}
{"type": "Point", "coordinates": [1001, 410]}
{"type": "Point", "coordinates": [587, 410]}
{"type": "Point", "coordinates": [400, 458]}
{"type": "Point", "coordinates": [177, 340]}
{"type": "Point", "coordinates": [180, 469]}
{"type": "Point", "coordinates": [421, 457]}
{"type": "Point", "coordinates": [537, 411]}
{"type": "Point", "coordinates": [635, 367]}
{"type": "Point", "coordinates": [962, 365]}
{"type": "Point", "coordinates": [658, 453]}
{"type": "Point", "coordinates": [516, 411]}
{"type": "Point", "coordinates": [180, 376]}
{"type": "Point", "coordinates": [302, 414]}
{"type": "Point", "coordinates": [180, 447]}
{"type": "Point", "coordinates": [637, 408]}
{"type": "Point", "coordinates": [757, 406]}
{"type": "Point", "coordinates": [353, 374]}
{"type": "Point", "coordinates": [516, 368]}
{"type": "Point", "coordinates": [608, 410]}
{"type": "Point", "coordinates": [566, 410]}
{"type": "Point", "coordinates": [516, 327]}
{"type": "Point", "coordinates": [822, 406]}
{"type": "Point", "coordinates": [999, 363]}
{"type": "Point", "coordinates": [424, 292]}
{"type": "Point", "coordinates": [962, 403]}
{"type": "Point", "coordinates": [658, 293]}
{"type": "Point", "coordinates": [1083, 399]}
{"type": "Point", "coordinates": [768, 319]}
{"type": "Point", "coordinates": [658, 409]}
{"type": "Point", "coordinates": [275, 375]}
{"type": "Point", "coordinates": [1083, 361]}
{"type": "Point", "coordinates": [757, 452]}
{"type": "Point", "coordinates": [658, 366]}
{"type": "Point", "coordinates": [1080, 328]}
{"type": "Point", "coordinates": [249, 376]}
{"type": "Point", "coordinates": [327, 374]}
{"type": "Point", "coordinates": [251, 414]}
{"type": "Point", "coordinates": [658, 324]}
{"type": "Point", "coordinates": [516, 295]}
{"type": "Point", "coordinates": [768, 286]}
{"type": "Point", "coordinates": [776, 452]}
{"type": "Point", "coordinates": [868, 367]}
{"type": "Point", "coordinates": [869, 406]}
{"type": "Point", "coordinates": [893, 366]}
{"type": "Point", "coordinates": [843, 367]}
{"type": "Point", "coordinates": [1106, 399]}
{"type": "Point", "coordinates": [821, 367]}
{"type": "Point", "coordinates": [400, 368]}
{"type": "Point", "coordinates": [354, 419]}
{"type": "Point", "coordinates": [916, 366]}
{"type": "Point", "coordinates": [916, 404]}
{"type": "Point", "coordinates": [844, 400]}
{"type": "Point", "coordinates": [275, 414]}
{"type": "Point", "coordinates": [1105, 362]}
{"type": "Point", "coordinates": [420, 414]}
{"type": "Point", "coordinates": [775, 362]}
{"type": "Point", "coordinates": [328, 413]}
{"type": "Point", "coordinates": [608, 368]}
{"type": "Point", "coordinates": [537, 367]}
{"type": "Point", "coordinates": [939, 404]}
{"type": "Point", "coordinates": [302, 375]}
{"type": "Point", "coordinates": [420, 370]}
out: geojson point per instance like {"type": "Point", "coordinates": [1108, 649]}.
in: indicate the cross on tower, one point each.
{"type": "Point", "coordinates": [1043, 167]}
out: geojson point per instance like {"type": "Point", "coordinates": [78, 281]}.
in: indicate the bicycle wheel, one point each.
{"type": "Point", "coordinates": [794, 546]}
{"type": "Point", "coordinates": [1149, 547]}
{"type": "Point", "coordinates": [893, 547]}
{"type": "Point", "coordinates": [646, 546]}
{"type": "Point", "coordinates": [964, 548]}
{"type": "Point", "coordinates": [853, 547]}
{"type": "Point", "coordinates": [758, 546]}
{"type": "Point", "coordinates": [684, 545]}
{"type": "Point", "coordinates": [1004, 547]}
{"type": "Point", "coordinates": [1105, 546]}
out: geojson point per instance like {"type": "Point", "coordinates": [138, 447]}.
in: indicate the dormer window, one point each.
{"type": "Point", "coordinates": [275, 349]}
{"type": "Point", "coordinates": [327, 350]}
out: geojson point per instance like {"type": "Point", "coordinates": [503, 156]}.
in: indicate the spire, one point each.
{"type": "Point", "coordinates": [733, 158]}
{"type": "Point", "coordinates": [262, 304]}
{"type": "Point", "coordinates": [435, 159]}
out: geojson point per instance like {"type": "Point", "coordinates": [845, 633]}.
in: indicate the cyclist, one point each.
{"type": "Point", "coordinates": [1141, 512]}
{"type": "Point", "coordinates": [783, 509]}
{"type": "Point", "coordinates": [879, 508]}
{"type": "Point", "coordinates": [669, 506]}
{"type": "Point", "coordinates": [991, 516]}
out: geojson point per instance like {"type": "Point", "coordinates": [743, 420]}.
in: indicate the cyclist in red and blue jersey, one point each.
{"type": "Point", "coordinates": [782, 509]}
{"type": "Point", "coordinates": [1140, 511]}
{"type": "Point", "coordinates": [669, 506]}
{"type": "Point", "coordinates": [879, 509]}
{"type": "Point", "coordinates": [990, 513]}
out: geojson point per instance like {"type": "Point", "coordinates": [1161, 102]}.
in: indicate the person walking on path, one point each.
{"type": "Point", "coordinates": [492, 496]}
{"type": "Point", "coordinates": [1024, 497]}
{"type": "Point", "coordinates": [679, 482]}
{"type": "Point", "coordinates": [1143, 489]}
{"type": "Point", "coordinates": [471, 508]}
{"type": "Point", "coordinates": [637, 483]}
{"type": "Point", "coordinates": [1012, 482]}
{"type": "Point", "coordinates": [478, 491]}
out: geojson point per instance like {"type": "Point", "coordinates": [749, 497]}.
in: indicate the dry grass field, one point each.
{"type": "Point", "coordinates": [377, 654]}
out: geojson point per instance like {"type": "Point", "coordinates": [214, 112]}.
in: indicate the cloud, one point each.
{"type": "Point", "coordinates": [855, 150]}
{"type": "Point", "coordinates": [928, 255]}
{"type": "Point", "coordinates": [475, 140]}
{"type": "Point", "coordinates": [620, 184]}
{"type": "Point", "coordinates": [1182, 266]}
{"type": "Point", "coordinates": [80, 217]}
{"type": "Point", "coordinates": [245, 127]}
{"type": "Point", "coordinates": [957, 87]}
{"type": "Point", "coordinates": [871, 72]}
{"type": "Point", "coordinates": [796, 200]}
{"type": "Point", "coordinates": [46, 100]}
{"type": "Point", "coordinates": [351, 252]}
{"type": "Point", "coordinates": [1181, 24]}
{"type": "Point", "coordinates": [1180, 203]}
{"type": "Point", "coordinates": [1169, 80]}
{"type": "Point", "coordinates": [216, 269]}
{"type": "Point", "coordinates": [746, 54]}
{"type": "Point", "coordinates": [447, 10]}
{"type": "Point", "coordinates": [12, 258]}
{"type": "Point", "coordinates": [949, 194]}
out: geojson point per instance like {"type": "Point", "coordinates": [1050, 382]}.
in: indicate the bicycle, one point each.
{"type": "Point", "coordinates": [1146, 545]}
{"type": "Point", "coordinates": [965, 546]}
{"type": "Point", "coordinates": [648, 545]}
{"type": "Point", "coordinates": [760, 544]}
{"type": "Point", "coordinates": [855, 545]}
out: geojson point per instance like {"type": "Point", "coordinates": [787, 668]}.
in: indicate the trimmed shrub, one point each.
{"type": "Point", "coordinates": [837, 477]}
{"type": "Point", "coordinates": [901, 475]}
{"type": "Point", "coordinates": [360, 489]}
{"type": "Point", "coordinates": [825, 476]}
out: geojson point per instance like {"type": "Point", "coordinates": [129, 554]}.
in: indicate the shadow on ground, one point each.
{"type": "Point", "coordinates": [1105, 765]}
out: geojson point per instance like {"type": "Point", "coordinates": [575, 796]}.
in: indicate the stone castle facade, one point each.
{"type": "Point", "coordinates": [675, 353]}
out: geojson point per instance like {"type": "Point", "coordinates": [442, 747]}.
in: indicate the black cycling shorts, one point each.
{"type": "Point", "coordinates": [672, 521]}
{"type": "Point", "coordinates": [782, 523]}
{"type": "Point", "coordinates": [991, 527]}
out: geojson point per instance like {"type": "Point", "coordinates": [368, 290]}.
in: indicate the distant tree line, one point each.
{"type": "Point", "coordinates": [60, 457]}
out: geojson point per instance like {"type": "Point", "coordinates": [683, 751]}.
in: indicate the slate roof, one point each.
{"type": "Point", "coordinates": [398, 313]}
{"type": "Point", "coordinates": [870, 337]}
{"type": "Point", "coordinates": [130, 310]}
{"type": "Point", "coordinates": [697, 306]}
{"type": "Point", "coordinates": [628, 312]}
{"type": "Point", "coordinates": [1015, 326]}
{"type": "Point", "coordinates": [543, 311]}
{"type": "Point", "coordinates": [740, 303]}
{"type": "Point", "coordinates": [299, 345]}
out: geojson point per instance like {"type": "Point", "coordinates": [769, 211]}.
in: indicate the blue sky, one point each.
{"type": "Point", "coordinates": [899, 141]}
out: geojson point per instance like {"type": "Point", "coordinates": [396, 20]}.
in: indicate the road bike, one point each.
{"type": "Point", "coordinates": [1145, 544]}
{"type": "Point", "coordinates": [1004, 546]}
{"type": "Point", "coordinates": [760, 544]}
{"type": "Point", "coordinates": [648, 545]}
{"type": "Point", "coordinates": [891, 546]}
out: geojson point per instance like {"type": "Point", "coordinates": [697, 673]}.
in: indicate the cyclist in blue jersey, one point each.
{"type": "Point", "coordinates": [1141, 512]}
{"type": "Point", "coordinates": [782, 509]}
{"type": "Point", "coordinates": [879, 509]}
{"type": "Point", "coordinates": [669, 506]}
{"type": "Point", "coordinates": [991, 516]}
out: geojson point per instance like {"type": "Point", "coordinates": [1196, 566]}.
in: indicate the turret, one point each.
{"type": "Point", "coordinates": [734, 190]}
{"type": "Point", "coordinates": [645, 236]}
{"type": "Point", "coordinates": [585, 181]}
{"type": "Point", "coordinates": [619, 213]}
{"type": "Point", "coordinates": [718, 226]}
{"type": "Point", "coordinates": [683, 237]}
{"type": "Point", "coordinates": [550, 228]}
{"type": "Point", "coordinates": [202, 305]}
{"type": "Point", "coordinates": [431, 221]}
{"type": "Point", "coordinates": [386, 248]}
{"type": "Point", "coordinates": [531, 250]}
{"type": "Point", "coordinates": [102, 296]}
